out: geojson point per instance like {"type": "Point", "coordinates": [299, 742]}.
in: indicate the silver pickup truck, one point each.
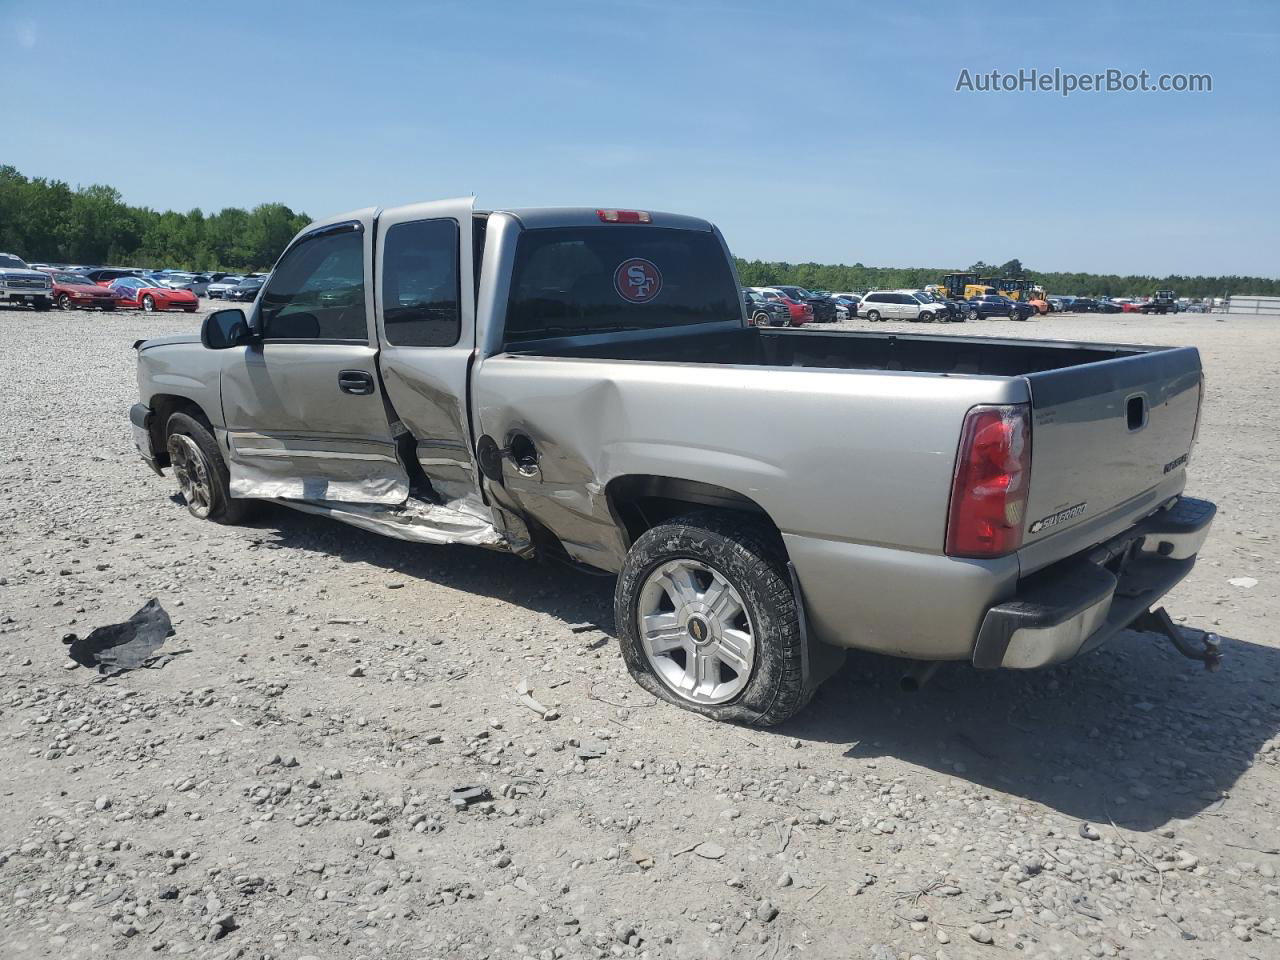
{"type": "Point", "coordinates": [583, 384]}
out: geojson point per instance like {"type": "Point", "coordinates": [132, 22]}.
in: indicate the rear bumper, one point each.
{"type": "Point", "coordinates": [140, 417]}
{"type": "Point", "coordinates": [1078, 604]}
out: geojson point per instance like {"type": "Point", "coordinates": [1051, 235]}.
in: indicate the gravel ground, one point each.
{"type": "Point", "coordinates": [279, 787]}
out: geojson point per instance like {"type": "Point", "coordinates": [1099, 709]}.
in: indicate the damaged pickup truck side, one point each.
{"type": "Point", "coordinates": [583, 384]}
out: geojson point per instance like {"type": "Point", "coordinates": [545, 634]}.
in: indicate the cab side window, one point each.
{"type": "Point", "coordinates": [317, 290]}
{"type": "Point", "coordinates": [420, 284]}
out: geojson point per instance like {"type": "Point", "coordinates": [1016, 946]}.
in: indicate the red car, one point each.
{"type": "Point", "coordinates": [1131, 307]}
{"type": "Point", "coordinates": [72, 290]}
{"type": "Point", "coordinates": [134, 293]}
{"type": "Point", "coordinates": [801, 313]}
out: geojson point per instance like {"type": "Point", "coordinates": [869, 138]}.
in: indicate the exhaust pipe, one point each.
{"type": "Point", "coordinates": [918, 674]}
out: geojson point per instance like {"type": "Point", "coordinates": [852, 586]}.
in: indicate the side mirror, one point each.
{"type": "Point", "coordinates": [223, 329]}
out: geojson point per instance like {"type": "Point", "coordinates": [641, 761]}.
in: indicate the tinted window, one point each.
{"type": "Point", "coordinates": [873, 298]}
{"type": "Point", "coordinates": [420, 284]}
{"type": "Point", "coordinates": [317, 291]}
{"type": "Point", "coordinates": [572, 280]}
{"type": "Point", "coordinates": [10, 263]}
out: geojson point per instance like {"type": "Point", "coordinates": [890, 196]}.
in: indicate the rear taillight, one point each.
{"type": "Point", "coordinates": [623, 216]}
{"type": "Point", "coordinates": [989, 490]}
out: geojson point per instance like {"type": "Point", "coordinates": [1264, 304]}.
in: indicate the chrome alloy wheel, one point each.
{"type": "Point", "coordinates": [192, 472]}
{"type": "Point", "coordinates": [695, 630]}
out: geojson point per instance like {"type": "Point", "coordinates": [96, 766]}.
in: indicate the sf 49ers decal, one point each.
{"type": "Point", "coordinates": [637, 280]}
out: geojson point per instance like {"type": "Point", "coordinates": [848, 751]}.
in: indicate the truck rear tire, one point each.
{"type": "Point", "coordinates": [202, 475]}
{"type": "Point", "coordinates": [707, 619]}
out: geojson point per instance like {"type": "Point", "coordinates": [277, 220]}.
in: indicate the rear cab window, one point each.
{"type": "Point", "coordinates": [612, 278]}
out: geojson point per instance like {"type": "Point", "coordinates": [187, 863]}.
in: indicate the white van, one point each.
{"type": "Point", "coordinates": [899, 305]}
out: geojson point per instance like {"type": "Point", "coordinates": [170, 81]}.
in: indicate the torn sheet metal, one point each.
{"type": "Point", "coordinates": [414, 520]}
{"type": "Point", "coordinates": [354, 471]}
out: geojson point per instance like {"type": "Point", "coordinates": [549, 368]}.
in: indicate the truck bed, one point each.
{"type": "Point", "coordinates": [756, 346]}
{"type": "Point", "coordinates": [1112, 424]}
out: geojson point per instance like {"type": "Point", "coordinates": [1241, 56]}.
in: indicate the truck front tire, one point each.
{"type": "Point", "coordinates": [707, 619]}
{"type": "Point", "coordinates": [202, 475]}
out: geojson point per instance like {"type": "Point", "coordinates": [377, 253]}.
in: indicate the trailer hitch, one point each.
{"type": "Point", "coordinates": [1208, 652]}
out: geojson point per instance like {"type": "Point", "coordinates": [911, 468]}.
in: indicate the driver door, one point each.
{"type": "Point", "coordinates": [304, 407]}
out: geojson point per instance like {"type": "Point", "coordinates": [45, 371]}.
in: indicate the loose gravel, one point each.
{"type": "Point", "coordinates": [338, 759]}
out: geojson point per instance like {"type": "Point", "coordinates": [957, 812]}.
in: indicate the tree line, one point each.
{"type": "Point", "coordinates": [856, 278]}
{"type": "Point", "coordinates": [49, 221]}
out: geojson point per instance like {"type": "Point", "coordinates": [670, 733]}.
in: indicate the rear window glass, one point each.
{"type": "Point", "coordinates": [577, 280]}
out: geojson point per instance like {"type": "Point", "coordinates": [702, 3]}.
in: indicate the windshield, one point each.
{"type": "Point", "coordinates": [11, 263]}
{"type": "Point", "coordinates": [71, 278]}
{"type": "Point", "coordinates": [608, 278]}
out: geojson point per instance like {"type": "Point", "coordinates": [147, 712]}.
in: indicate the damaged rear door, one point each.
{"type": "Point", "coordinates": [426, 326]}
{"type": "Point", "coordinates": [305, 412]}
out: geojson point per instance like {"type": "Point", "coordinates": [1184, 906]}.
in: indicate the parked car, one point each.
{"type": "Point", "coordinates": [953, 312]}
{"type": "Point", "coordinates": [541, 426]}
{"type": "Point", "coordinates": [1130, 306]}
{"type": "Point", "coordinates": [1107, 306]}
{"type": "Point", "coordinates": [22, 285]}
{"type": "Point", "coordinates": [197, 283]}
{"type": "Point", "coordinates": [246, 289]}
{"type": "Point", "coordinates": [217, 288]}
{"type": "Point", "coordinates": [109, 275]}
{"type": "Point", "coordinates": [899, 305]}
{"type": "Point", "coordinates": [1058, 304]}
{"type": "Point", "coordinates": [763, 312]}
{"type": "Point", "coordinates": [996, 305]}
{"type": "Point", "coordinates": [134, 293]}
{"type": "Point", "coordinates": [824, 308]}
{"type": "Point", "coordinates": [801, 313]}
{"type": "Point", "coordinates": [847, 305]}
{"type": "Point", "coordinates": [73, 291]}
{"type": "Point", "coordinates": [1084, 305]}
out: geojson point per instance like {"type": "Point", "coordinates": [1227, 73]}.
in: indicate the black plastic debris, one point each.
{"type": "Point", "coordinates": [124, 646]}
{"type": "Point", "coordinates": [463, 797]}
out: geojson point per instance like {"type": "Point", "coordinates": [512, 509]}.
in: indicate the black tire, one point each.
{"type": "Point", "coordinates": [222, 508]}
{"type": "Point", "coordinates": [1015, 314]}
{"type": "Point", "coordinates": [975, 314]}
{"type": "Point", "coordinates": [750, 557]}
{"type": "Point", "coordinates": [41, 304]}
{"type": "Point", "coordinates": [760, 319]}
{"type": "Point", "coordinates": [64, 302]}
{"type": "Point", "coordinates": [148, 303]}
{"type": "Point", "coordinates": [109, 308]}
{"type": "Point", "coordinates": [873, 316]}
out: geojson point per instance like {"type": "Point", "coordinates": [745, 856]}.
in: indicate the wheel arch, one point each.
{"type": "Point", "coordinates": [639, 502]}
{"type": "Point", "coordinates": [163, 406]}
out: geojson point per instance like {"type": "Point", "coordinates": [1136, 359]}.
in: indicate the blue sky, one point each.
{"type": "Point", "coordinates": [819, 131]}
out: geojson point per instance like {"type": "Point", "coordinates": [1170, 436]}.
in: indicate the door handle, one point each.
{"type": "Point", "coordinates": [355, 381]}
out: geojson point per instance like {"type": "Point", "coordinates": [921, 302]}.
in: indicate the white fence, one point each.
{"type": "Point", "coordinates": [1255, 306]}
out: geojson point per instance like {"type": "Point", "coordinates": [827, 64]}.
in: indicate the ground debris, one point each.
{"type": "Point", "coordinates": [118, 647]}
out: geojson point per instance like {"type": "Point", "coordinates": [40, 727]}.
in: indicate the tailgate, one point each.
{"type": "Point", "coordinates": [1109, 443]}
